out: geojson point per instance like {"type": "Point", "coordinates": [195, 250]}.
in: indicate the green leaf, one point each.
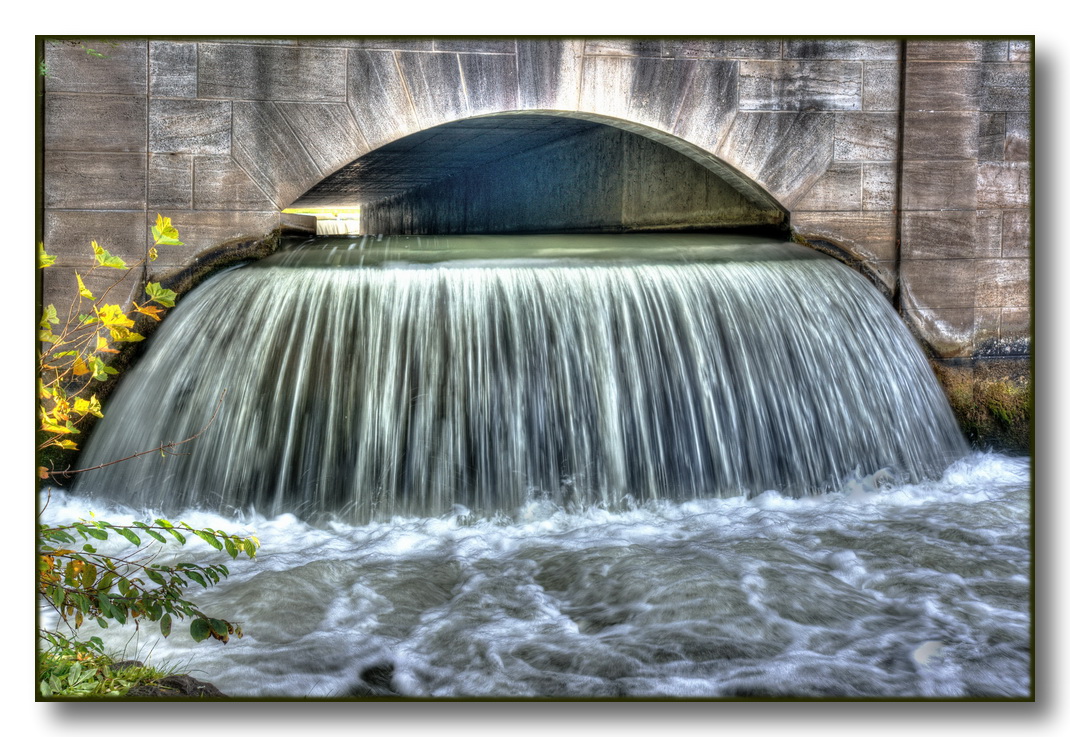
{"type": "Point", "coordinates": [209, 538]}
{"type": "Point", "coordinates": [232, 549]}
{"type": "Point", "coordinates": [199, 629]}
{"type": "Point", "coordinates": [100, 369]}
{"type": "Point", "coordinates": [196, 577]}
{"type": "Point", "coordinates": [105, 605]}
{"type": "Point", "coordinates": [129, 535]}
{"type": "Point", "coordinates": [150, 532]}
{"type": "Point", "coordinates": [57, 595]}
{"type": "Point", "coordinates": [96, 532]}
{"type": "Point", "coordinates": [171, 528]}
{"type": "Point", "coordinates": [155, 576]}
{"type": "Point", "coordinates": [161, 295]}
{"type": "Point", "coordinates": [165, 625]}
{"type": "Point", "coordinates": [219, 627]}
{"type": "Point", "coordinates": [49, 316]}
{"type": "Point", "coordinates": [250, 547]}
{"type": "Point", "coordinates": [106, 259]}
{"type": "Point", "coordinates": [106, 581]}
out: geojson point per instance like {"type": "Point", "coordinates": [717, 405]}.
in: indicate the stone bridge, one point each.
{"type": "Point", "coordinates": [909, 160]}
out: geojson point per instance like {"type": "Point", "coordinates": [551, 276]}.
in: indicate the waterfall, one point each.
{"type": "Point", "coordinates": [403, 376]}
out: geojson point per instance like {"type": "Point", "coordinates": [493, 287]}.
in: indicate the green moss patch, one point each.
{"type": "Point", "coordinates": [994, 409]}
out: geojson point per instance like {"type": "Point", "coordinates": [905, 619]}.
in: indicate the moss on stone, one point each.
{"type": "Point", "coordinates": [994, 405]}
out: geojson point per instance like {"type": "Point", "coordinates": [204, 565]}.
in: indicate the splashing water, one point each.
{"type": "Point", "coordinates": [582, 467]}
{"type": "Point", "coordinates": [485, 371]}
{"type": "Point", "coordinates": [838, 595]}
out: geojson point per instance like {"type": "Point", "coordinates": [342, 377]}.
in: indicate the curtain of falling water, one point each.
{"type": "Point", "coordinates": [485, 372]}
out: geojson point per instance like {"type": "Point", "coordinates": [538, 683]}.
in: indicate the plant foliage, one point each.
{"type": "Point", "coordinates": [76, 352]}
{"type": "Point", "coordinates": [79, 582]}
{"type": "Point", "coordinates": [84, 585]}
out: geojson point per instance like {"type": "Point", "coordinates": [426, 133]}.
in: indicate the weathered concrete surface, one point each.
{"type": "Point", "coordinates": [910, 160]}
{"type": "Point", "coordinates": [966, 183]}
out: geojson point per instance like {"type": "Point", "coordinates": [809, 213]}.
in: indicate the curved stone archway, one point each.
{"type": "Point", "coordinates": [690, 105]}
{"type": "Point", "coordinates": [912, 158]}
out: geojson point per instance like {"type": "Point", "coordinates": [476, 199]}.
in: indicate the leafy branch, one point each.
{"type": "Point", "coordinates": [85, 584]}
{"type": "Point", "coordinates": [80, 352]}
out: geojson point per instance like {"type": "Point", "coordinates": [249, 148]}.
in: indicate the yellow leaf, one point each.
{"type": "Point", "coordinates": [82, 288]}
{"type": "Point", "coordinates": [124, 335]}
{"type": "Point", "coordinates": [43, 259]}
{"type": "Point", "coordinates": [80, 369]}
{"type": "Point", "coordinates": [113, 316]}
{"type": "Point", "coordinates": [153, 312]}
{"type": "Point", "coordinates": [88, 406]}
{"type": "Point", "coordinates": [165, 234]}
{"type": "Point", "coordinates": [102, 346]}
{"type": "Point", "coordinates": [153, 254]}
{"type": "Point", "coordinates": [61, 409]}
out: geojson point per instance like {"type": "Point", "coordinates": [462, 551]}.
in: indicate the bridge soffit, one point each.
{"type": "Point", "coordinates": [692, 105]}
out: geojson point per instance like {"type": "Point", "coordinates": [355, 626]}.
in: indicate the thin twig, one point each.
{"type": "Point", "coordinates": [160, 448]}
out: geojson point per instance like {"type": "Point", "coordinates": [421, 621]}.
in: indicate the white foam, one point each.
{"type": "Point", "coordinates": [903, 592]}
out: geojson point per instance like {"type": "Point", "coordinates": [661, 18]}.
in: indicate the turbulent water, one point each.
{"type": "Point", "coordinates": [411, 375]}
{"type": "Point", "coordinates": [912, 590]}
{"type": "Point", "coordinates": [597, 467]}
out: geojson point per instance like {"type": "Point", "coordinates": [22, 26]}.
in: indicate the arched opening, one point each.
{"type": "Point", "coordinates": [524, 172]}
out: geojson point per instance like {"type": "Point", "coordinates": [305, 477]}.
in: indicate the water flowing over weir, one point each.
{"type": "Point", "coordinates": [369, 378]}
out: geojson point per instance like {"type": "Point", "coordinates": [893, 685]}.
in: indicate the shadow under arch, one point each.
{"type": "Point", "coordinates": [545, 171]}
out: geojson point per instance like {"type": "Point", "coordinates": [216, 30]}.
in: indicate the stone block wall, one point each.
{"type": "Point", "coordinates": [966, 196]}
{"type": "Point", "coordinates": [911, 159]}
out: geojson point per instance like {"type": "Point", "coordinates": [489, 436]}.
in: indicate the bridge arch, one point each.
{"type": "Point", "coordinates": [911, 158]}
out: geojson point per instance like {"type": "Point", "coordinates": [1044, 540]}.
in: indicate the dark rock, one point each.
{"type": "Point", "coordinates": [180, 686]}
{"type": "Point", "coordinates": [375, 681]}
{"type": "Point", "coordinates": [124, 664]}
